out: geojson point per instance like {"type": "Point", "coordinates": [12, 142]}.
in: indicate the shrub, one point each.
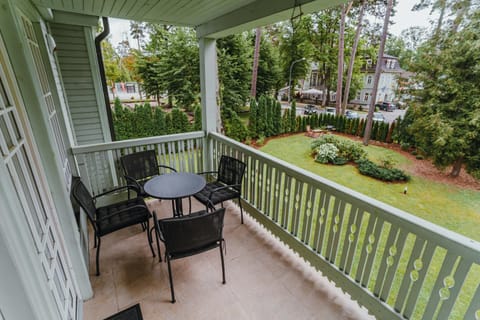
{"type": "Point", "coordinates": [326, 153]}
{"type": "Point", "coordinates": [419, 157]}
{"type": "Point", "coordinates": [368, 168]}
{"type": "Point", "coordinates": [405, 146]}
{"type": "Point", "coordinates": [347, 149]}
{"type": "Point", "coordinates": [261, 141]}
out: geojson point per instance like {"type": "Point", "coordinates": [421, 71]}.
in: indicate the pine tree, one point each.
{"type": "Point", "coordinates": [197, 125]}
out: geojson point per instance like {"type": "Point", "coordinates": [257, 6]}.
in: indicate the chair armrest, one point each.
{"type": "Point", "coordinates": [206, 172]}
{"type": "Point", "coordinates": [123, 210]}
{"type": "Point", "coordinates": [221, 188]}
{"type": "Point", "coordinates": [127, 187]}
{"type": "Point", "coordinates": [167, 167]}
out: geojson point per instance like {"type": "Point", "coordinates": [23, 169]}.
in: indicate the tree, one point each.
{"type": "Point", "coordinates": [446, 122]}
{"type": "Point", "coordinates": [256, 55]}
{"type": "Point", "coordinates": [295, 45]}
{"type": "Point", "coordinates": [353, 54]}
{"type": "Point", "coordinates": [378, 69]}
{"type": "Point", "coordinates": [137, 31]}
{"type": "Point", "coordinates": [234, 67]}
{"type": "Point", "coordinates": [269, 74]}
{"type": "Point", "coordinates": [341, 43]}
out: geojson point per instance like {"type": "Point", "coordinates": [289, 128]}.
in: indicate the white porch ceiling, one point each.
{"type": "Point", "coordinates": [212, 18]}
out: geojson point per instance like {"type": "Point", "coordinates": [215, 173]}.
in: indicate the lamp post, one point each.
{"type": "Point", "coordinates": [290, 79]}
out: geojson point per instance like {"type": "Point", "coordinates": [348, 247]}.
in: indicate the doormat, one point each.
{"type": "Point", "coordinates": [132, 313]}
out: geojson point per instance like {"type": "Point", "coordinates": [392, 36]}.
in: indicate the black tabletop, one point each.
{"type": "Point", "coordinates": [175, 185]}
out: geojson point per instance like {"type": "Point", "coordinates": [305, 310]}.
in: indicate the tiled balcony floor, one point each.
{"type": "Point", "coordinates": [264, 279]}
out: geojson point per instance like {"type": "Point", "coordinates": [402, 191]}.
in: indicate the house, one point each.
{"type": "Point", "coordinates": [55, 123]}
{"type": "Point", "coordinates": [387, 85]}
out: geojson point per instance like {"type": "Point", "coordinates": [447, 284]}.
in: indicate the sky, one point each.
{"type": "Point", "coordinates": [403, 19]}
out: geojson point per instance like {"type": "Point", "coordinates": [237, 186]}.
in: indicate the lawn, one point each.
{"type": "Point", "coordinates": [449, 206]}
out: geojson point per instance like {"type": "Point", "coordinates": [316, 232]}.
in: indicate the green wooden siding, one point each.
{"type": "Point", "coordinates": [75, 68]}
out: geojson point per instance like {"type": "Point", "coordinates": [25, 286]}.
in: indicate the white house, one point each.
{"type": "Point", "coordinates": [387, 85]}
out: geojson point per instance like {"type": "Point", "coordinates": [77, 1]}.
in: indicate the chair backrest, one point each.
{"type": "Point", "coordinates": [140, 165]}
{"type": "Point", "coordinates": [84, 199]}
{"type": "Point", "coordinates": [188, 235]}
{"type": "Point", "coordinates": [230, 171]}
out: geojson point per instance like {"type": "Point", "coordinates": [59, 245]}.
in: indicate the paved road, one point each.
{"type": "Point", "coordinates": [389, 116]}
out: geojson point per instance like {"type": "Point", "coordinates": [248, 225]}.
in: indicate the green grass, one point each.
{"type": "Point", "coordinates": [445, 205]}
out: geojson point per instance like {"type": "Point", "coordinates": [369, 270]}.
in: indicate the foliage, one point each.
{"type": "Point", "coordinates": [446, 113]}
{"type": "Point", "coordinates": [295, 45]}
{"type": "Point", "coordinates": [347, 149]}
{"type": "Point", "coordinates": [234, 71]}
{"type": "Point", "coordinates": [269, 74]}
{"type": "Point", "coordinates": [197, 125]}
{"type": "Point", "coordinates": [368, 168]}
{"type": "Point", "coordinates": [233, 125]}
{"type": "Point", "coordinates": [326, 153]}
{"type": "Point", "coordinates": [145, 121]}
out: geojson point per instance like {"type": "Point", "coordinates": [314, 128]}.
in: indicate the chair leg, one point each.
{"type": "Point", "coordinates": [98, 255]}
{"type": "Point", "coordinates": [241, 209]}
{"type": "Point", "coordinates": [223, 262]}
{"type": "Point", "coordinates": [149, 238]}
{"type": "Point", "coordinates": [171, 280]}
{"type": "Point", "coordinates": [158, 244]}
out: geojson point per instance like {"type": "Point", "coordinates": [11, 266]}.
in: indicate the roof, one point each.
{"type": "Point", "coordinates": [212, 18]}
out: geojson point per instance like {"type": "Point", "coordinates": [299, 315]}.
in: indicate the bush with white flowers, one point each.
{"type": "Point", "coordinates": [326, 153]}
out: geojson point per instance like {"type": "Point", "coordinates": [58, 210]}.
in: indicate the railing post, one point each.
{"type": "Point", "coordinates": [208, 84]}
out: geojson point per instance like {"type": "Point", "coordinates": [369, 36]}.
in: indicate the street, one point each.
{"type": "Point", "coordinates": [389, 116]}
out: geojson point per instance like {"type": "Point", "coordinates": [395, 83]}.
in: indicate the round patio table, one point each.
{"type": "Point", "coordinates": [175, 186]}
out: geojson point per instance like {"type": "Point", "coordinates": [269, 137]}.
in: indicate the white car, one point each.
{"type": "Point", "coordinates": [332, 111]}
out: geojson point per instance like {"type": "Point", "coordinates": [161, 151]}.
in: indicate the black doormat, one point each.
{"type": "Point", "coordinates": [132, 313]}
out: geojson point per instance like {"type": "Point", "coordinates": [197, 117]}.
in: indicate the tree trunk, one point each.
{"type": "Point", "coordinates": [378, 69]}
{"type": "Point", "coordinates": [457, 167]}
{"type": "Point", "coordinates": [256, 53]}
{"type": "Point", "coordinates": [440, 18]}
{"type": "Point", "coordinates": [341, 40]}
{"type": "Point", "coordinates": [352, 58]}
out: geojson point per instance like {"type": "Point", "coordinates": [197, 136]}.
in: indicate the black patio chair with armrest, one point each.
{"type": "Point", "coordinates": [139, 167]}
{"type": "Point", "coordinates": [228, 183]}
{"type": "Point", "coordinates": [190, 235]}
{"type": "Point", "coordinates": [112, 217]}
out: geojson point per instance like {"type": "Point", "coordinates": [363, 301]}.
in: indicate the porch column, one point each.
{"type": "Point", "coordinates": [208, 88]}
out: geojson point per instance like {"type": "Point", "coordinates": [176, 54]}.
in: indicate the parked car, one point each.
{"type": "Point", "coordinates": [385, 106]}
{"type": "Point", "coordinates": [309, 109]}
{"type": "Point", "coordinates": [332, 111]}
{"type": "Point", "coordinates": [378, 116]}
{"type": "Point", "coordinates": [351, 114]}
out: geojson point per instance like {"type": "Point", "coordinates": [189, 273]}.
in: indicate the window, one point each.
{"type": "Point", "coordinates": [366, 96]}
{"type": "Point", "coordinates": [369, 62]}
{"type": "Point", "coordinates": [369, 79]}
{"type": "Point", "coordinates": [314, 79]}
{"type": "Point", "coordinates": [130, 88]}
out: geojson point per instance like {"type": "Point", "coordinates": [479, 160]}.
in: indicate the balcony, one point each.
{"type": "Point", "coordinates": [392, 263]}
{"type": "Point", "coordinates": [264, 279]}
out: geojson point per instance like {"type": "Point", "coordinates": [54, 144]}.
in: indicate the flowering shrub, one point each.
{"type": "Point", "coordinates": [326, 153]}
{"type": "Point", "coordinates": [347, 150]}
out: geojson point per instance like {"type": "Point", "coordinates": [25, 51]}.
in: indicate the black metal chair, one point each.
{"type": "Point", "coordinates": [189, 235]}
{"type": "Point", "coordinates": [139, 167]}
{"type": "Point", "coordinates": [112, 217]}
{"type": "Point", "coordinates": [228, 183]}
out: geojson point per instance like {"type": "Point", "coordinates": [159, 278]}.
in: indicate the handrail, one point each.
{"type": "Point", "coordinates": [417, 224]}
{"type": "Point", "coordinates": [100, 168]}
{"type": "Point", "coordinates": [395, 264]}
{"type": "Point", "coordinates": [136, 142]}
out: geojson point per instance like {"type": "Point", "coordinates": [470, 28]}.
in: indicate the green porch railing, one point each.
{"type": "Point", "coordinates": [99, 164]}
{"type": "Point", "coordinates": [396, 265]}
